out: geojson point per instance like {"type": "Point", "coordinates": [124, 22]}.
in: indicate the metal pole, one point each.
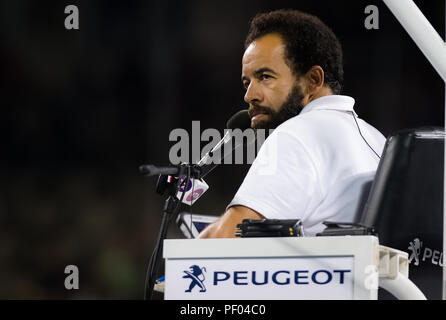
{"type": "Point", "coordinates": [421, 31]}
{"type": "Point", "coordinates": [434, 48]}
{"type": "Point", "coordinates": [444, 185]}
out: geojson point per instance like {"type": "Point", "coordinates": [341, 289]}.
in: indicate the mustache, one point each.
{"type": "Point", "coordinates": [257, 110]}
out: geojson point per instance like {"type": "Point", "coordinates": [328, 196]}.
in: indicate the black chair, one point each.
{"type": "Point", "coordinates": [405, 204]}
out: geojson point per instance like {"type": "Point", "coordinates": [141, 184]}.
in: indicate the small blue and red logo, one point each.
{"type": "Point", "coordinates": [188, 186]}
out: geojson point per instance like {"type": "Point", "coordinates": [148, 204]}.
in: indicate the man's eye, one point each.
{"type": "Point", "coordinates": [246, 85]}
{"type": "Point", "coordinates": [265, 77]}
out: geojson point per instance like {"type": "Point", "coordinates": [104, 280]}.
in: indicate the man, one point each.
{"type": "Point", "coordinates": [313, 165]}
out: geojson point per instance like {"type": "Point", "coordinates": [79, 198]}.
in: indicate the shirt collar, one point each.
{"type": "Point", "coordinates": [331, 102]}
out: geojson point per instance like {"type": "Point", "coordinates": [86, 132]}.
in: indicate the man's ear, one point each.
{"type": "Point", "coordinates": [314, 79]}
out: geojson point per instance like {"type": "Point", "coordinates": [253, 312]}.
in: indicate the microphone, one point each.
{"type": "Point", "coordinates": [241, 120]}
{"type": "Point", "coordinates": [173, 179]}
{"type": "Point", "coordinates": [196, 186]}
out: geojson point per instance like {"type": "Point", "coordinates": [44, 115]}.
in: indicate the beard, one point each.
{"type": "Point", "coordinates": [289, 109]}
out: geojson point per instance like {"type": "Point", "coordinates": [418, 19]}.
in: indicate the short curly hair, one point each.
{"type": "Point", "coordinates": [308, 42]}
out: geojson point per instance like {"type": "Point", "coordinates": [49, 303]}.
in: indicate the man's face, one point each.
{"type": "Point", "coordinates": [272, 90]}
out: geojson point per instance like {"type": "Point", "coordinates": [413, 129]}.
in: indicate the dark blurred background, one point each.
{"type": "Point", "coordinates": [82, 109]}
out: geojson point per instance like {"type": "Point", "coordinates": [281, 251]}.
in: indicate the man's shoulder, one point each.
{"type": "Point", "coordinates": [325, 128]}
{"type": "Point", "coordinates": [304, 126]}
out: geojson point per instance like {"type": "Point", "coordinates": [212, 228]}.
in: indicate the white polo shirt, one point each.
{"type": "Point", "coordinates": [312, 166]}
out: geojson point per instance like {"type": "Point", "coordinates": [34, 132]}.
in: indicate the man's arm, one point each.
{"type": "Point", "coordinates": [226, 225]}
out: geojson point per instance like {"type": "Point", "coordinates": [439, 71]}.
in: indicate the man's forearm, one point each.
{"type": "Point", "coordinates": [207, 232]}
{"type": "Point", "coordinates": [217, 230]}
{"type": "Point", "coordinates": [226, 225]}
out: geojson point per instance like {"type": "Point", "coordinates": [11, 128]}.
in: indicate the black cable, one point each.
{"type": "Point", "coordinates": [151, 270]}
{"type": "Point", "coordinates": [186, 181]}
{"type": "Point", "coordinates": [363, 136]}
{"type": "Point", "coordinates": [150, 281]}
{"type": "Point", "coordinates": [191, 213]}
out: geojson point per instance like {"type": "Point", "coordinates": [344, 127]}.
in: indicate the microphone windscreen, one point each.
{"type": "Point", "coordinates": [240, 120]}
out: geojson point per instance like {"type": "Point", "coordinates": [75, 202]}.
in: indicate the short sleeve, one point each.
{"type": "Point", "coordinates": [282, 182]}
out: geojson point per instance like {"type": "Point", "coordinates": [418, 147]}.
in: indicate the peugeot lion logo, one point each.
{"type": "Point", "coordinates": [415, 247]}
{"type": "Point", "coordinates": [423, 253]}
{"type": "Point", "coordinates": [197, 278]}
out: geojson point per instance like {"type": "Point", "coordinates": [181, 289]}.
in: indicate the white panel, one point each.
{"type": "Point", "coordinates": [260, 278]}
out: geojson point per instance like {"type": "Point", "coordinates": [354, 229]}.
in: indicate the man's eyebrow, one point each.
{"type": "Point", "coordinates": [259, 72]}
{"type": "Point", "coordinates": [262, 70]}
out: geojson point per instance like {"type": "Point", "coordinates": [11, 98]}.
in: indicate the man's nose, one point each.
{"type": "Point", "coordinates": [253, 93]}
